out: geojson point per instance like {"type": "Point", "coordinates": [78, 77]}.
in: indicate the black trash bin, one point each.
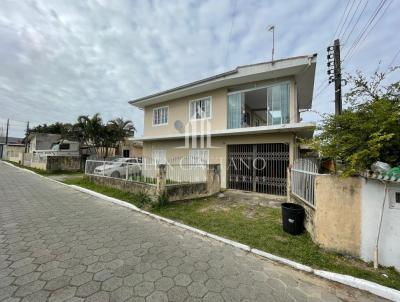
{"type": "Point", "coordinates": [293, 218]}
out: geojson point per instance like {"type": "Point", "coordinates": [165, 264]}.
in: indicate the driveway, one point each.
{"type": "Point", "coordinates": [57, 244]}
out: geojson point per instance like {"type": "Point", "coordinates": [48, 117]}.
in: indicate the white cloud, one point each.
{"type": "Point", "coordinates": [61, 59]}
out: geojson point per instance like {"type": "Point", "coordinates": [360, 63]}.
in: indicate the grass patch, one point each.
{"type": "Point", "coordinates": [134, 199]}
{"type": "Point", "coordinates": [43, 172]}
{"type": "Point", "coordinates": [259, 227]}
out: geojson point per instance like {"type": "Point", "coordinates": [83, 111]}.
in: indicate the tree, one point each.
{"type": "Point", "coordinates": [56, 128]}
{"type": "Point", "coordinates": [122, 129]}
{"type": "Point", "coordinates": [91, 132]}
{"type": "Point", "coordinates": [125, 127]}
{"type": "Point", "coordinates": [368, 129]}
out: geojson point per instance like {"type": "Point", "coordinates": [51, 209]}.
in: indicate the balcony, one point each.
{"type": "Point", "coordinates": [259, 107]}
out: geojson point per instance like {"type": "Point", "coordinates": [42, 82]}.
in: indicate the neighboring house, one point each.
{"type": "Point", "coordinates": [14, 152]}
{"type": "Point", "coordinates": [14, 147]}
{"type": "Point", "coordinates": [246, 119]}
{"type": "Point", "coordinates": [130, 148]}
{"type": "Point", "coordinates": [51, 144]}
{"type": "Point", "coordinates": [42, 141]}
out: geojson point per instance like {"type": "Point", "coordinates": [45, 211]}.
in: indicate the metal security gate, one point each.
{"type": "Point", "coordinates": [258, 167]}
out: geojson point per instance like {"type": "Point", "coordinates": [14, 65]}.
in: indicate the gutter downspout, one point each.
{"type": "Point", "coordinates": [379, 227]}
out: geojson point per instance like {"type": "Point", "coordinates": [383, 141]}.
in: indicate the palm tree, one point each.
{"type": "Point", "coordinates": [122, 128]}
{"type": "Point", "coordinates": [90, 130]}
{"type": "Point", "coordinates": [126, 127]}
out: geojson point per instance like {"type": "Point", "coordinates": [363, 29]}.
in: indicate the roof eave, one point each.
{"type": "Point", "coordinates": [218, 80]}
{"type": "Point", "coordinates": [294, 127]}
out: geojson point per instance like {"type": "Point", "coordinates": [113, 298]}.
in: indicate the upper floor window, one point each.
{"type": "Point", "coordinates": [160, 116]}
{"type": "Point", "coordinates": [264, 106]}
{"type": "Point", "coordinates": [200, 109]}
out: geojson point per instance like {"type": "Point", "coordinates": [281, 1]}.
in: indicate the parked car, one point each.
{"type": "Point", "coordinates": [119, 167]}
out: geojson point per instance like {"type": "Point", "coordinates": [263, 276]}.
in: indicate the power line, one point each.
{"type": "Point", "coordinates": [394, 58]}
{"type": "Point", "coordinates": [364, 30]}
{"type": "Point", "coordinates": [230, 34]}
{"type": "Point", "coordinates": [355, 24]}
{"type": "Point", "coordinates": [341, 19]}
{"type": "Point", "coordinates": [379, 19]}
{"type": "Point", "coordinates": [321, 91]}
{"type": "Point", "coordinates": [351, 19]}
{"type": "Point", "coordinates": [347, 15]}
{"type": "Point", "coordinates": [340, 25]}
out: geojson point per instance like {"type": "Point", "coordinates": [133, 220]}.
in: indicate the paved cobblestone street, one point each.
{"type": "Point", "coordinates": [57, 244]}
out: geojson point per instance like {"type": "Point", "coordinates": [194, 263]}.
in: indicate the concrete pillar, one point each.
{"type": "Point", "coordinates": [161, 178]}
{"type": "Point", "coordinates": [213, 178]}
{"type": "Point", "coordinates": [289, 184]}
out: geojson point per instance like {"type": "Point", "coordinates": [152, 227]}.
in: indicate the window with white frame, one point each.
{"type": "Point", "coordinates": [200, 109]}
{"type": "Point", "coordinates": [198, 156]}
{"type": "Point", "coordinates": [160, 157]}
{"type": "Point", "coordinates": [160, 116]}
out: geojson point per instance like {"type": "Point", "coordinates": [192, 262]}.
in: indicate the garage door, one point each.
{"type": "Point", "coordinates": [258, 167]}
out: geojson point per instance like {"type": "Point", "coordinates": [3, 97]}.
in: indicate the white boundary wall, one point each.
{"type": "Point", "coordinates": [373, 192]}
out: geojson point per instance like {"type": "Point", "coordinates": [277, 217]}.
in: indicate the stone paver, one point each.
{"type": "Point", "coordinates": [57, 244]}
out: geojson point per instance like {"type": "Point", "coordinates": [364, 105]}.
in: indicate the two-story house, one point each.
{"type": "Point", "coordinates": [246, 119]}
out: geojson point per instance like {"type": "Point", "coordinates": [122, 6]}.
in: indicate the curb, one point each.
{"type": "Point", "coordinates": [365, 285]}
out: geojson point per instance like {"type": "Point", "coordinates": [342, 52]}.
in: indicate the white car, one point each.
{"type": "Point", "coordinates": [119, 167]}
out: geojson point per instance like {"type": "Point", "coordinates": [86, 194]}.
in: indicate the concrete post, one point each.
{"type": "Point", "coordinates": [161, 178]}
{"type": "Point", "coordinates": [213, 178]}
{"type": "Point", "coordinates": [289, 184]}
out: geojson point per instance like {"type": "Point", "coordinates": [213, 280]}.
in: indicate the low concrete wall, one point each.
{"type": "Point", "coordinates": [186, 191]}
{"type": "Point", "coordinates": [38, 165]}
{"type": "Point", "coordinates": [346, 217]}
{"type": "Point", "coordinates": [122, 184]}
{"type": "Point", "coordinates": [178, 191]}
{"type": "Point", "coordinates": [63, 163]}
{"type": "Point", "coordinates": [16, 159]}
{"type": "Point", "coordinates": [52, 163]}
{"type": "Point", "coordinates": [338, 213]}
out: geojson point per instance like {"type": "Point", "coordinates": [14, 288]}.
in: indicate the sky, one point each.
{"type": "Point", "coordinates": [61, 59]}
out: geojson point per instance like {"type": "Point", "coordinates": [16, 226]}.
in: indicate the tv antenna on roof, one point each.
{"type": "Point", "coordinates": [271, 28]}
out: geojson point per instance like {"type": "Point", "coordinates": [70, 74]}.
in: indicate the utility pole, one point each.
{"type": "Point", "coordinates": [335, 74]}
{"type": "Point", "coordinates": [26, 137]}
{"type": "Point", "coordinates": [6, 142]}
{"type": "Point", "coordinates": [8, 124]}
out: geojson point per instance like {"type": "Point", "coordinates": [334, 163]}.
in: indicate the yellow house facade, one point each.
{"type": "Point", "coordinates": [247, 120]}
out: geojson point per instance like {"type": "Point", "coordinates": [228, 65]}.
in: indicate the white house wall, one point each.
{"type": "Point", "coordinates": [373, 192]}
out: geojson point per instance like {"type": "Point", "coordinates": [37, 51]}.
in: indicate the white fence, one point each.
{"type": "Point", "coordinates": [43, 153]}
{"type": "Point", "coordinates": [303, 179]}
{"type": "Point", "coordinates": [180, 170]}
{"type": "Point", "coordinates": [128, 169]}
{"type": "Point", "coordinates": [186, 170]}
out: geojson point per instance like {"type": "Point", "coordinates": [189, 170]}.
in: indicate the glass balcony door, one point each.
{"type": "Point", "coordinates": [259, 107]}
{"type": "Point", "coordinates": [235, 110]}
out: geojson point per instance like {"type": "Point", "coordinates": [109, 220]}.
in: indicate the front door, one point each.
{"type": "Point", "coordinates": [258, 167]}
{"type": "Point", "coordinates": [126, 153]}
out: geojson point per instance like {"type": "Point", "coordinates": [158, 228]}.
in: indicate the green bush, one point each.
{"type": "Point", "coordinates": [142, 199]}
{"type": "Point", "coordinates": [368, 130]}
{"type": "Point", "coordinates": [162, 200]}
